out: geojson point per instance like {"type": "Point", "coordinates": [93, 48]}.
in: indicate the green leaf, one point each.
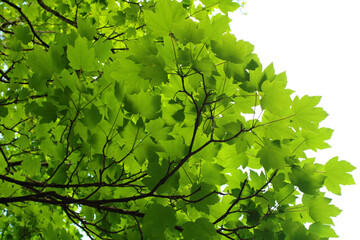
{"type": "Point", "coordinates": [296, 231]}
{"type": "Point", "coordinates": [320, 210]}
{"type": "Point", "coordinates": [81, 56]}
{"type": "Point", "coordinates": [31, 166]}
{"type": "Point", "coordinates": [306, 178]}
{"type": "Point", "coordinates": [323, 231]}
{"type": "Point", "coordinates": [215, 27]}
{"type": "Point", "coordinates": [285, 195]}
{"type": "Point", "coordinates": [126, 72]}
{"type": "Point", "coordinates": [23, 34]}
{"type": "Point", "coordinates": [41, 63]}
{"type": "Point", "coordinates": [154, 71]}
{"type": "Point", "coordinates": [103, 50]}
{"type": "Point", "coordinates": [65, 235]}
{"type": "Point", "coordinates": [201, 229]}
{"type": "Point", "coordinates": [160, 218]}
{"type": "Point", "coordinates": [257, 180]}
{"type": "Point", "coordinates": [178, 144]}
{"type": "Point", "coordinates": [157, 129]}
{"type": "Point", "coordinates": [49, 231]}
{"type": "Point", "coordinates": [206, 66]}
{"type": "Point", "coordinates": [316, 139]}
{"type": "Point", "coordinates": [306, 114]}
{"type": "Point", "coordinates": [211, 173]}
{"type": "Point", "coordinates": [119, 91]}
{"type": "Point", "coordinates": [276, 98]}
{"type": "Point", "coordinates": [141, 49]}
{"type": "Point", "coordinates": [232, 156]}
{"type": "Point", "coordinates": [256, 78]}
{"type": "Point", "coordinates": [47, 112]}
{"type": "Point", "coordinates": [67, 81]}
{"type": "Point", "coordinates": [228, 6]}
{"type": "Point", "coordinates": [92, 116]}
{"type": "Point", "coordinates": [337, 172]}
{"type": "Point", "coordinates": [237, 71]}
{"type": "Point", "coordinates": [58, 58]}
{"type": "Point", "coordinates": [188, 31]}
{"type": "Point", "coordinates": [143, 103]}
{"type": "Point", "coordinates": [86, 28]}
{"type": "Point", "coordinates": [272, 157]}
{"type": "Point", "coordinates": [224, 5]}
{"type": "Point", "coordinates": [202, 196]}
{"type": "Point", "coordinates": [3, 111]}
{"type": "Point", "coordinates": [278, 130]}
{"type": "Point", "coordinates": [230, 49]}
{"type": "Point", "coordinates": [3, 164]}
{"type": "Point", "coordinates": [119, 18]}
{"type": "Point", "coordinates": [156, 173]}
{"type": "Point", "coordinates": [167, 13]}
{"type": "Point", "coordinates": [236, 178]}
{"type": "Point", "coordinates": [130, 131]}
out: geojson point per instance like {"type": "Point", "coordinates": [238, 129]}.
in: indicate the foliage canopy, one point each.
{"type": "Point", "coordinates": [150, 120]}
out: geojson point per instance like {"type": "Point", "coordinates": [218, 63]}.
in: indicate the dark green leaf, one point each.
{"type": "Point", "coordinates": [158, 217]}
{"type": "Point", "coordinates": [3, 111]}
{"type": "Point", "coordinates": [306, 178]}
{"type": "Point", "coordinates": [201, 229]}
{"type": "Point", "coordinates": [23, 34]}
{"type": "Point", "coordinates": [92, 116]}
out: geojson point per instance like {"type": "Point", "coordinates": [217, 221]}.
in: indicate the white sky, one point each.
{"type": "Point", "coordinates": [317, 43]}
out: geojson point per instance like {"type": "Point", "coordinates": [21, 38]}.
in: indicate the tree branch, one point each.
{"type": "Point", "coordinates": [28, 21]}
{"type": "Point", "coordinates": [228, 211]}
{"type": "Point", "coordinates": [57, 14]}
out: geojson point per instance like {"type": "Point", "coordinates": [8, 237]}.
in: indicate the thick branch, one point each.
{"type": "Point", "coordinates": [50, 198]}
{"type": "Point", "coordinates": [80, 185]}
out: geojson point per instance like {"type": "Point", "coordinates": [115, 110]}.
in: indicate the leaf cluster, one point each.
{"type": "Point", "coordinates": [150, 120]}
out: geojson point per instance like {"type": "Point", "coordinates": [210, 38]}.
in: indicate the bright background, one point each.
{"type": "Point", "coordinates": [317, 43]}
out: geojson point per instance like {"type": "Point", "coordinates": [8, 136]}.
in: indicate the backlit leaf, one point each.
{"type": "Point", "coordinates": [188, 31]}
{"type": "Point", "coordinates": [236, 53]}
{"type": "Point", "coordinates": [151, 120]}
{"type": "Point", "coordinates": [272, 157]}
{"type": "Point", "coordinates": [144, 104]}
{"type": "Point", "coordinates": [337, 173]}
{"type": "Point", "coordinates": [321, 210]}
{"type": "Point", "coordinates": [323, 231]}
{"type": "Point", "coordinates": [306, 114]}
{"type": "Point", "coordinates": [81, 56]}
{"type": "Point", "coordinates": [166, 14]}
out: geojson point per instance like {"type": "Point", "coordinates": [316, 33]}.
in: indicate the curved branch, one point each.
{"type": "Point", "coordinates": [57, 14]}
{"type": "Point", "coordinates": [28, 21]}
